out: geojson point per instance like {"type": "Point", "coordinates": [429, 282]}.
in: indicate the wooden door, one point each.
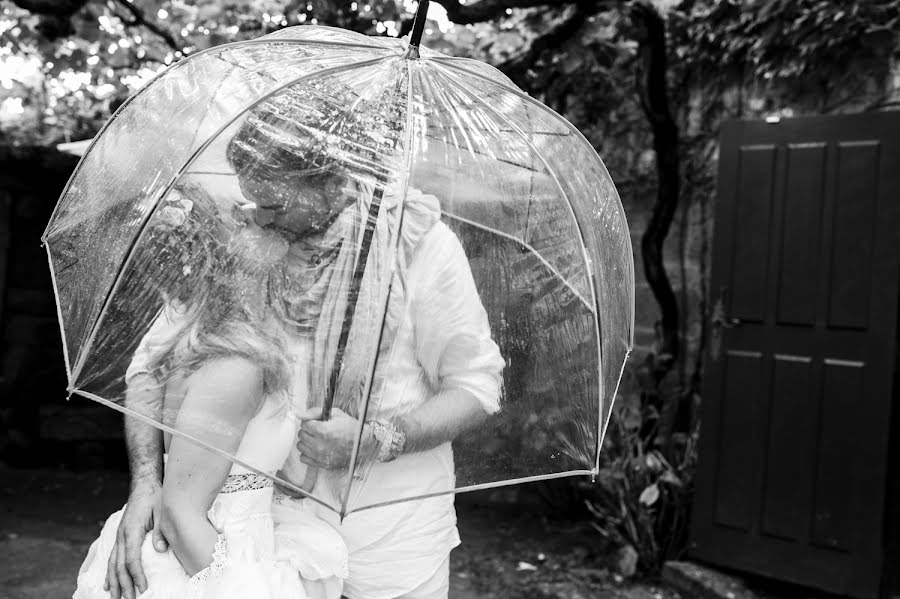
{"type": "Point", "coordinates": [791, 478]}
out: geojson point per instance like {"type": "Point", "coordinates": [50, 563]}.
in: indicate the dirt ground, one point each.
{"type": "Point", "coordinates": [49, 518]}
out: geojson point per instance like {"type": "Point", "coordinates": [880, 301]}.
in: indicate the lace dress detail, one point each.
{"type": "Point", "coordinates": [253, 557]}
{"type": "Point", "coordinates": [245, 482]}
{"type": "Point", "coordinates": [216, 567]}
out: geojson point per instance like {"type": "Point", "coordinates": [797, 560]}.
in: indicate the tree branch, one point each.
{"type": "Point", "coordinates": [138, 19]}
{"type": "Point", "coordinates": [56, 8]}
{"type": "Point", "coordinates": [652, 89]}
{"type": "Point", "coordinates": [54, 16]}
{"type": "Point", "coordinates": [479, 12]}
{"type": "Point", "coordinates": [517, 68]}
{"type": "Point", "coordinates": [485, 10]}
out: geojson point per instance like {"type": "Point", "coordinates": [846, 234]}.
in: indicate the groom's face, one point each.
{"type": "Point", "coordinates": [297, 206]}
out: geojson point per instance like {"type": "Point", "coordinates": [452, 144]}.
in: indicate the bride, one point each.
{"type": "Point", "coordinates": [227, 373]}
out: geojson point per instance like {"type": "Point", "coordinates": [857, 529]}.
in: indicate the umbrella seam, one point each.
{"type": "Point", "coordinates": [173, 431]}
{"type": "Point", "coordinates": [530, 248]}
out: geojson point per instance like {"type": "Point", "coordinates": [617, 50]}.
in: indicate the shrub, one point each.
{"type": "Point", "coordinates": [642, 497]}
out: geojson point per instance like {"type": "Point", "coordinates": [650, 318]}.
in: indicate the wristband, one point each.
{"type": "Point", "coordinates": [391, 440]}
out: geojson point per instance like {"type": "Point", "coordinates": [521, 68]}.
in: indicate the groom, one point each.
{"type": "Point", "coordinates": [442, 377]}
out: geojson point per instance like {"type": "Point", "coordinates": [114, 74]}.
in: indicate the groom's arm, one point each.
{"type": "Point", "coordinates": [329, 445]}
{"type": "Point", "coordinates": [440, 420]}
{"type": "Point", "coordinates": [453, 345]}
{"type": "Point", "coordinates": [454, 349]}
{"type": "Point", "coordinates": [144, 446]}
{"type": "Point", "coordinates": [144, 442]}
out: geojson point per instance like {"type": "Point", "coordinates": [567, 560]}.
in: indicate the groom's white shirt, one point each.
{"type": "Point", "coordinates": [443, 340]}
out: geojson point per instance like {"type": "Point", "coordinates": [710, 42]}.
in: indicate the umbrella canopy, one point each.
{"type": "Point", "coordinates": [271, 198]}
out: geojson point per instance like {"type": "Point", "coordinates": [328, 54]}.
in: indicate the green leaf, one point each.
{"type": "Point", "coordinates": [649, 495]}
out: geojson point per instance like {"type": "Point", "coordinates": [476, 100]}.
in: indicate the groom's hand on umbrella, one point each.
{"type": "Point", "coordinates": [326, 444]}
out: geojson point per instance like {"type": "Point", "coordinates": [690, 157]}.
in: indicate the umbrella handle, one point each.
{"type": "Point", "coordinates": [415, 37]}
{"type": "Point", "coordinates": [352, 299]}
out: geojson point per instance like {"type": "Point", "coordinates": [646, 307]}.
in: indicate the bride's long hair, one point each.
{"type": "Point", "coordinates": [209, 291]}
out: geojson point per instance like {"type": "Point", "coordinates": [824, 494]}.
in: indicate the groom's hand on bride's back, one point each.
{"type": "Point", "coordinates": [125, 574]}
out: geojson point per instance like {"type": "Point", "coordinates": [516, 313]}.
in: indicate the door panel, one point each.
{"type": "Point", "coordinates": [754, 201]}
{"type": "Point", "coordinates": [854, 225]}
{"type": "Point", "coordinates": [789, 449]}
{"type": "Point", "coordinates": [741, 422]}
{"type": "Point", "coordinates": [799, 374]}
{"type": "Point", "coordinates": [800, 233]}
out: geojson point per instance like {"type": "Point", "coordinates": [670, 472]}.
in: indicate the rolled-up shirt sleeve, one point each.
{"type": "Point", "coordinates": [164, 326]}
{"type": "Point", "coordinates": [453, 335]}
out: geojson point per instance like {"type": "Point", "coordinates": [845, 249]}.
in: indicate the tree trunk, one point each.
{"type": "Point", "coordinates": [653, 92]}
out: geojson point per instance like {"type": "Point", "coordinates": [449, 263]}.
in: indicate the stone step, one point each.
{"type": "Point", "coordinates": [697, 581]}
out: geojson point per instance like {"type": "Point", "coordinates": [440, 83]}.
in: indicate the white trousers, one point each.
{"type": "Point", "coordinates": [436, 587]}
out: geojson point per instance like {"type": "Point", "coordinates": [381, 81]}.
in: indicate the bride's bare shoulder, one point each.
{"type": "Point", "coordinates": [227, 384]}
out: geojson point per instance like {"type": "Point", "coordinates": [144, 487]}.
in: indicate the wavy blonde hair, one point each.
{"type": "Point", "coordinates": [203, 282]}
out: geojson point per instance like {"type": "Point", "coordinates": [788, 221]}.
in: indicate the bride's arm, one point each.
{"type": "Point", "coordinates": [221, 398]}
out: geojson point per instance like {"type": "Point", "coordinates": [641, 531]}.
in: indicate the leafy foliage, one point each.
{"type": "Point", "coordinates": [783, 39]}
{"type": "Point", "coordinates": [61, 78]}
{"type": "Point", "coordinates": [643, 498]}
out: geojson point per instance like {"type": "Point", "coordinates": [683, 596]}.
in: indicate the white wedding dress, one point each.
{"type": "Point", "coordinates": [301, 557]}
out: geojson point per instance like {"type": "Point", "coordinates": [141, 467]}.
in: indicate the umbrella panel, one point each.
{"type": "Point", "coordinates": [252, 255]}
{"type": "Point", "coordinates": [589, 190]}
{"type": "Point", "coordinates": [140, 152]}
{"type": "Point", "coordinates": [511, 249]}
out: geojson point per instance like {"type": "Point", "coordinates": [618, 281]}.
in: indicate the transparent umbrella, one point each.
{"type": "Point", "coordinates": [298, 200]}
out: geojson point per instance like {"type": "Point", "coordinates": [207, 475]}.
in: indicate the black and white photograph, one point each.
{"type": "Point", "coordinates": [449, 299]}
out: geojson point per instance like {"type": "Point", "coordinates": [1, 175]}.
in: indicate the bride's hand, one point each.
{"type": "Point", "coordinates": [125, 573]}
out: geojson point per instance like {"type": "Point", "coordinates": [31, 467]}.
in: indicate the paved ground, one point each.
{"type": "Point", "coordinates": [47, 522]}
{"type": "Point", "coordinates": [48, 519]}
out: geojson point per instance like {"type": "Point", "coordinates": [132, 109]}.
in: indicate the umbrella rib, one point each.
{"type": "Point", "coordinates": [59, 316]}
{"type": "Point", "coordinates": [587, 263]}
{"type": "Point", "coordinates": [174, 431]}
{"type": "Point", "coordinates": [212, 50]}
{"type": "Point", "coordinates": [527, 246]}
{"type": "Point", "coordinates": [354, 456]}
{"type": "Point", "coordinates": [480, 487]}
{"type": "Point", "coordinates": [182, 171]}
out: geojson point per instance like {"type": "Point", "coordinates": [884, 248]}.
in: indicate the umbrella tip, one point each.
{"type": "Point", "coordinates": [415, 37]}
